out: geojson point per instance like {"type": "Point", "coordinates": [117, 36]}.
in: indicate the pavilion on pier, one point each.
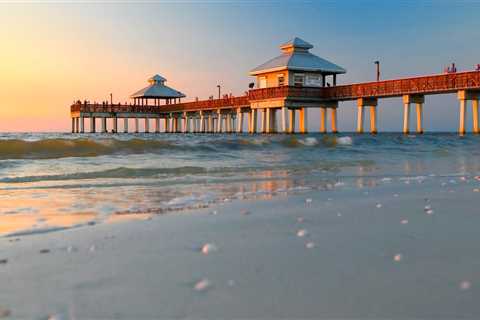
{"type": "Point", "coordinates": [156, 92]}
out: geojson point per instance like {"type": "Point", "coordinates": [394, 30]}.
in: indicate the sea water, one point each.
{"type": "Point", "coordinates": [52, 181]}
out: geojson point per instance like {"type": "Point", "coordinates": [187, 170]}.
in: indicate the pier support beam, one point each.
{"type": "Point", "coordinates": [463, 97]}
{"type": "Point", "coordinates": [284, 119]}
{"type": "Point", "coordinates": [268, 120]}
{"type": "Point", "coordinates": [263, 120]}
{"type": "Point", "coordinates": [77, 125]}
{"type": "Point", "coordinates": [157, 125]}
{"type": "Point", "coordinates": [115, 125]}
{"type": "Point", "coordinates": [291, 120]}
{"type": "Point", "coordinates": [220, 121]}
{"type": "Point", "coordinates": [125, 125]}
{"type": "Point", "coordinates": [303, 120]}
{"type": "Point", "coordinates": [419, 100]}
{"type": "Point", "coordinates": [73, 125]}
{"type": "Point", "coordinates": [323, 120]}
{"type": "Point", "coordinates": [253, 122]}
{"type": "Point", "coordinates": [229, 123]}
{"type": "Point", "coordinates": [136, 125]}
{"type": "Point", "coordinates": [475, 116]}
{"type": "Point", "coordinates": [92, 125]}
{"type": "Point", "coordinates": [184, 122]}
{"type": "Point", "coordinates": [334, 124]}
{"type": "Point", "coordinates": [361, 104]}
{"type": "Point", "coordinates": [82, 125]}
{"type": "Point", "coordinates": [239, 120]}
{"type": "Point", "coordinates": [202, 122]}
{"type": "Point", "coordinates": [104, 125]}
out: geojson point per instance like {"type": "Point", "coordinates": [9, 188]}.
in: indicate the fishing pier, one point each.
{"type": "Point", "coordinates": [287, 87]}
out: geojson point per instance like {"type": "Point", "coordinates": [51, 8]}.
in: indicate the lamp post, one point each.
{"type": "Point", "coordinates": [111, 98]}
{"type": "Point", "coordinates": [219, 90]}
{"type": "Point", "coordinates": [377, 63]}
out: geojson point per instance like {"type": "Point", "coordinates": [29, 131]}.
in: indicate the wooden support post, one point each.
{"type": "Point", "coordinates": [273, 121]}
{"type": "Point", "coordinates": [115, 124]}
{"type": "Point", "coordinates": [210, 123]}
{"type": "Point", "coordinates": [219, 123]}
{"type": "Point", "coordinates": [419, 118]}
{"type": "Point", "coordinates": [202, 122]}
{"type": "Point", "coordinates": [229, 122]}
{"type": "Point", "coordinates": [125, 125]}
{"type": "Point", "coordinates": [373, 119]}
{"type": "Point", "coordinates": [165, 124]}
{"type": "Point", "coordinates": [463, 115]}
{"type": "Point", "coordinates": [92, 124]}
{"type": "Point", "coordinates": [136, 125]}
{"type": "Point", "coordinates": [291, 119]}
{"type": "Point", "coordinates": [262, 120]}
{"type": "Point", "coordinates": [475, 115]}
{"type": "Point", "coordinates": [334, 120]}
{"type": "Point", "coordinates": [184, 122]}
{"type": "Point", "coordinates": [360, 117]}
{"type": "Point", "coordinates": [157, 125]}
{"type": "Point", "coordinates": [104, 125]}
{"type": "Point", "coordinates": [147, 125]}
{"type": "Point", "coordinates": [406, 117]}
{"type": "Point", "coordinates": [284, 120]}
{"type": "Point", "coordinates": [82, 125]}
{"type": "Point", "coordinates": [253, 125]}
{"type": "Point", "coordinates": [268, 119]}
{"type": "Point", "coordinates": [73, 125]}
{"type": "Point", "coordinates": [239, 120]}
{"type": "Point", "coordinates": [323, 120]}
{"type": "Point", "coordinates": [303, 120]}
{"type": "Point", "coordinates": [77, 125]}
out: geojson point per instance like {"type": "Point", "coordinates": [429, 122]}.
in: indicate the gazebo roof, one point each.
{"type": "Point", "coordinates": [296, 57]}
{"type": "Point", "coordinates": [157, 89]}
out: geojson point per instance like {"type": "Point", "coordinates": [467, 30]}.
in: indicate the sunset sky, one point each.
{"type": "Point", "coordinates": [52, 54]}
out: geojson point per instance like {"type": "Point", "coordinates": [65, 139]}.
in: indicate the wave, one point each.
{"type": "Point", "coordinates": [118, 173]}
{"type": "Point", "coordinates": [63, 148]}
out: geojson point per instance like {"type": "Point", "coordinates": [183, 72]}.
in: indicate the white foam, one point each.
{"type": "Point", "coordinates": [344, 140]}
{"type": "Point", "coordinates": [309, 141]}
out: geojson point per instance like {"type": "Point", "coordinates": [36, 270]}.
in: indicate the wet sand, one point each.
{"type": "Point", "coordinates": [394, 251]}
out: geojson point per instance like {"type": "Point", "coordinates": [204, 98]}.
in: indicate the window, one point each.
{"type": "Point", "coordinates": [281, 80]}
{"type": "Point", "coordinates": [298, 80]}
{"type": "Point", "coordinates": [262, 82]}
{"type": "Point", "coordinates": [313, 80]}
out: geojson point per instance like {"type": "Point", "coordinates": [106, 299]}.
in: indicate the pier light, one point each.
{"type": "Point", "coordinates": [377, 64]}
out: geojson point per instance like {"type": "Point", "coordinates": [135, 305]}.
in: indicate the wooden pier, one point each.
{"type": "Point", "coordinates": [258, 108]}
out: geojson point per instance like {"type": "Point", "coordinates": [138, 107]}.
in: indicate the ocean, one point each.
{"type": "Point", "coordinates": [159, 226]}
{"type": "Point", "coordinates": [53, 181]}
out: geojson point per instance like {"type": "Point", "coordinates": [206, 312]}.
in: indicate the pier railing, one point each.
{"type": "Point", "coordinates": [442, 83]}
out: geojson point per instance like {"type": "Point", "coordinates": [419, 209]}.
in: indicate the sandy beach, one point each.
{"type": "Point", "coordinates": [405, 248]}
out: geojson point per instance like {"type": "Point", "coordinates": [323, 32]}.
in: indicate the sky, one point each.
{"type": "Point", "coordinates": [54, 53]}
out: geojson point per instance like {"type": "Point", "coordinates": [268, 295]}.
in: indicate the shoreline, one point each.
{"type": "Point", "coordinates": [262, 266]}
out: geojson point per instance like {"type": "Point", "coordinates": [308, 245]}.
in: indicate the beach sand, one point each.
{"type": "Point", "coordinates": [397, 250]}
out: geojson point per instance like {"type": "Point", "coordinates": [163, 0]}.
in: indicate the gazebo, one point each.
{"type": "Point", "coordinates": [156, 91]}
